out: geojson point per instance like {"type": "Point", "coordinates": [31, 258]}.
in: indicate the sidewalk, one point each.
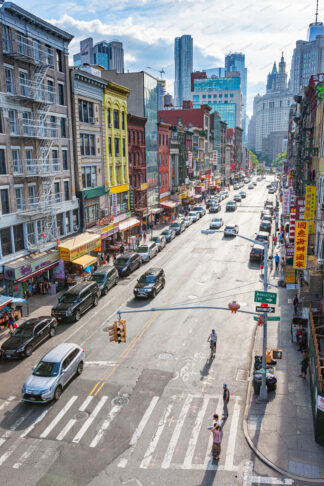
{"type": "Point", "coordinates": [280, 432]}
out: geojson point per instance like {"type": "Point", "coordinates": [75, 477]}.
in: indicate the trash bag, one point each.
{"type": "Point", "coordinates": [271, 382]}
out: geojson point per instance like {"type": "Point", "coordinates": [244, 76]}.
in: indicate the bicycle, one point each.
{"type": "Point", "coordinates": [212, 349]}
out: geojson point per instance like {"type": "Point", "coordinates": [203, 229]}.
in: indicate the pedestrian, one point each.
{"type": "Point", "coordinates": [121, 249]}
{"type": "Point", "coordinates": [114, 256]}
{"type": "Point", "coordinates": [295, 304]}
{"type": "Point", "coordinates": [216, 420]}
{"type": "Point", "coordinates": [304, 365]}
{"type": "Point", "coordinates": [226, 397]}
{"type": "Point", "coordinates": [277, 260]}
{"type": "Point", "coordinates": [11, 323]}
{"type": "Point", "coordinates": [282, 264]}
{"type": "Point", "coordinates": [144, 237]}
{"type": "Point", "coordinates": [217, 439]}
{"type": "Point", "coordinates": [274, 240]}
{"type": "Point", "coordinates": [279, 239]}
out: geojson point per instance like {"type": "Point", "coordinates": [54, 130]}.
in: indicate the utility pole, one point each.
{"type": "Point", "coordinates": [263, 395]}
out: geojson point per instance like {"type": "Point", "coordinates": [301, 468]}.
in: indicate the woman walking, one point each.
{"type": "Point", "coordinates": [217, 439]}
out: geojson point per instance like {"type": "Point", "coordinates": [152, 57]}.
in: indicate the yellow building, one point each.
{"type": "Point", "coordinates": [115, 107]}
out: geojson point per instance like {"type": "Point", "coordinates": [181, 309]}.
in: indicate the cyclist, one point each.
{"type": "Point", "coordinates": [212, 338]}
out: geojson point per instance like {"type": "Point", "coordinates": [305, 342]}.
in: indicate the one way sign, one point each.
{"type": "Point", "coordinates": [264, 309]}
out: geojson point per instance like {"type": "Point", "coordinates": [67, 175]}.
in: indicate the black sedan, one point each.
{"type": "Point", "coordinates": [28, 336]}
{"type": "Point", "coordinates": [168, 234]}
{"type": "Point", "coordinates": [215, 208]}
{"type": "Point", "coordinates": [265, 226]}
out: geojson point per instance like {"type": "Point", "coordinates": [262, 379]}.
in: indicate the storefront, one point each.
{"type": "Point", "coordinates": [169, 210]}
{"type": "Point", "coordinates": [32, 274]}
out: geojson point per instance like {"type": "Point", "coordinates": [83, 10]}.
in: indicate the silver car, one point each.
{"type": "Point", "coordinates": [53, 373]}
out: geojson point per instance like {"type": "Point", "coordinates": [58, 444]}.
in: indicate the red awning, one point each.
{"type": "Point", "coordinates": [39, 272]}
{"type": "Point", "coordinates": [128, 224]}
{"type": "Point", "coordinates": [168, 204]}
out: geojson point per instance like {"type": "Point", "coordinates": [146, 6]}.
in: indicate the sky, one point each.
{"type": "Point", "coordinates": [260, 29]}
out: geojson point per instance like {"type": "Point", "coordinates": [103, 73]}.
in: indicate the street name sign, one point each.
{"type": "Point", "coordinates": [270, 318]}
{"type": "Point", "coordinates": [265, 297]}
{"type": "Point", "coordinates": [264, 309]}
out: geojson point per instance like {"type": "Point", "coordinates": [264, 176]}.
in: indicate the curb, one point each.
{"type": "Point", "coordinates": [248, 439]}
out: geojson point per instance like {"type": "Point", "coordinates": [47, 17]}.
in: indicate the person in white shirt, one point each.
{"type": "Point", "coordinates": [212, 338]}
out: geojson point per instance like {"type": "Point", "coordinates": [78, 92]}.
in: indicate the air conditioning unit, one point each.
{"type": "Point", "coordinates": [92, 120]}
{"type": "Point", "coordinates": [109, 125]}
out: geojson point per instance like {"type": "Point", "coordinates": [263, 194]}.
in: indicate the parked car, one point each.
{"type": "Point", "coordinates": [226, 193]}
{"type": "Point", "coordinates": [272, 190]}
{"type": "Point", "coordinates": [231, 206]}
{"type": "Point", "coordinates": [216, 223]}
{"type": "Point", "coordinates": [254, 183]}
{"type": "Point", "coordinates": [209, 203]}
{"type": "Point", "coordinates": [250, 186]}
{"type": "Point", "coordinates": [237, 198]}
{"type": "Point", "coordinates": [127, 263]}
{"type": "Point", "coordinates": [177, 226]}
{"type": "Point", "coordinates": [194, 216]}
{"type": "Point", "coordinates": [262, 236]}
{"type": "Point", "coordinates": [106, 278]}
{"type": "Point", "coordinates": [243, 194]}
{"type": "Point", "coordinates": [268, 203]}
{"type": "Point", "coordinates": [236, 187]}
{"type": "Point", "coordinates": [200, 210]}
{"type": "Point", "coordinates": [268, 186]}
{"type": "Point", "coordinates": [160, 242]}
{"type": "Point", "coordinates": [215, 208]}
{"type": "Point", "coordinates": [267, 217]}
{"type": "Point", "coordinates": [147, 251]}
{"type": "Point", "coordinates": [53, 373]}
{"type": "Point", "coordinates": [168, 234]}
{"type": "Point", "coordinates": [231, 230]}
{"type": "Point", "coordinates": [188, 220]}
{"type": "Point", "coordinates": [76, 301]}
{"type": "Point", "coordinates": [150, 283]}
{"type": "Point", "coordinates": [29, 335]}
{"type": "Point", "coordinates": [265, 226]}
{"type": "Point", "coordinates": [258, 179]}
{"type": "Point", "coordinates": [257, 253]}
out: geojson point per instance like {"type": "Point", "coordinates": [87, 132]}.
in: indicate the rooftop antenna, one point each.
{"type": "Point", "coordinates": [316, 13]}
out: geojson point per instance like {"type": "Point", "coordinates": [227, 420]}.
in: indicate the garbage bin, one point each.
{"type": "Point", "coordinates": [271, 382]}
{"type": "Point", "coordinates": [257, 380]}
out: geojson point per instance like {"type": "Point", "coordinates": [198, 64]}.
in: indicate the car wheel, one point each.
{"type": "Point", "coordinates": [77, 316]}
{"type": "Point", "coordinates": [52, 332]}
{"type": "Point", "coordinates": [95, 301]}
{"type": "Point", "coordinates": [28, 351]}
{"type": "Point", "coordinates": [80, 368]}
{"type": "Point", "coordinates": [57, 393]}
{"type": "Point", "coordinates": [105, 291]}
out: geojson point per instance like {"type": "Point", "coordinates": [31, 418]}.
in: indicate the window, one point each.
{"type": "Point", "coordinates": [27, 123]}
{"type": "Point", "coordinates": [6, 246]}
{"type": "Point", "coordinates": [87, 144]}
{"type": "Point", "coordinates": [49, 57]}
{"type": "Point", "coordinates": [12, 121]}
{"type": "Point", "coordinates": [138, 137]}
{"type": "Point", "coordinates": [123, 120]}
{"type": "Point", "coordinates": [57, 191]}
{"type": "Point", "coordinates": [59, 61]}
{"type": "Point", "coordinates": [19, 198]}
{"type": "Point", "coordinates": [55, 160]}
{"type": "Point", "coordinates": [75, 217]}
{"type": "Point", "coordinates": [63, 127]}
{"type": "Point", "coordinates": [29, 161]}
{"type": "Point", "coordinates": [50, 90]}
{"type": "Point", "coordinates": [110, 146]}
{"type": "Point", "coordinates": [109, 117]}
{"type": "Point", "coordinates": [61, 93]}
{"type": "Point", "coordinates": [9, 80]}
{"type": "Point", "coordinates": [16, 160]}
{"type": "Point", "coordinates": [204, 96]}
{"type": "Point", "coordinates": [2, 162]}
{"type": "Point", "coordinates": [31, 195]}
{"type": "Point", "coordinates": [66, 191]}
{"type": "Point", "coordinates": [86, 111]}
{"type": "Point", "coordinates": [4, 193]}
{"type": "Point", "coordinates": [64, 160]}
{"type": "Point", "coordinates": [89, 177]}
{"type": "Point", "coordinates": [221, 96]}
{"type": "Point", "coordinates": [31, 236]}
{"type": "Point", "coordinates": [124, 147]}
{"type": "Point", "coordinates": [1, 122]}
{"type": "Point", "coordinates": [91, 213]}
{"type": "Point", "coordinates": [226, 95]}
{"type": "Point", "coordinates": [53, 127]}
{"type": "Point", "coordinates": [23, 83]}
{"type": "Point", "coordinates": [116, 119]}
{"type": "Point", "coordinates": [116, 141]}
{"type": "Point", "coordinates": [231, 95]}
{"type": "Point", "coordinates": [59, 223]}
{"type": "Point", "coordinates": [36, 48]}
{"type": "Point", "coordinates": [5, 38]}
{"type": "Point", "coordinates": [118, 174]}
{"type": "Point", "coordinates": [19, 237]}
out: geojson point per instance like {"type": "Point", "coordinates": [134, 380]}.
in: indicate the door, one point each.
{"type": "Point", "coordinates": [39, 333]}
{"type": "Point", "coordinates": [66, 375]}
{"type": "Point", "coordinates": [73, 364]}
{"type": "Point", "coordinates": [83, 301]}
{"type": "Point", "coordinates": [111, 279]}
{"type": "Point", "coordinates": [89, 296]}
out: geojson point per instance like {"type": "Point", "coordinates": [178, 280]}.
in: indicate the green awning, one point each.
{"type": "Point", "coordinates": [94, 192]}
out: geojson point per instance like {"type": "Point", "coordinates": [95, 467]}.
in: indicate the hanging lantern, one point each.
{"type": "Point", "coordinates": [261, 321]}
{"type": "Point", "coordinates": [234, 306]}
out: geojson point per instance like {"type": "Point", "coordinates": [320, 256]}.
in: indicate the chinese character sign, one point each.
{"type": "Point", "coordinates": [310, 203]}
{"type": "Point", "coordinates": [300, 208]}
{"type": "Point", "coordinates": [292, 224]}
{"type": "Point", "coordinates": [300, 257]}
{"type": "Point", "coordinates": [285, 202]}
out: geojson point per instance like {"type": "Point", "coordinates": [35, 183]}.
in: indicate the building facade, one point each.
{"type": "Point", "coordinates": [235, 62]}
{"type": "Point", "coordinates": [183, 62]}
{"type": "Point", "coordinates": [109, 55]}
{"type": "Point", "coordinates": [137, 164]}
{"type": "Point", "coordinates": [87, 102]}
{"type": "Point", "coordinates": [38, 202]}
{"type": "Point", "coordinates": [164, 168]}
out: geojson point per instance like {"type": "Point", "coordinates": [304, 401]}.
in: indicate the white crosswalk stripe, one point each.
{"type": "Point", "coordinates": [112, 414]}
{"type": "Point", "coordinates": [71, 422]}
{"type": "Point", "coordinates": [58, 417]}
{"type": "Point", "coordinates": [89, 421]}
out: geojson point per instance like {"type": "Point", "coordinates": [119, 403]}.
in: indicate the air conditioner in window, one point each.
{"type": "Point", "coordinates": [92, 119]}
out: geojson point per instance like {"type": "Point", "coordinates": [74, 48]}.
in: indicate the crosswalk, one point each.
{"type": "Point", "coordinates": [171, 434]}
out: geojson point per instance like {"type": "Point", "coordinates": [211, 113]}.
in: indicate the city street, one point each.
{"type": "Point", "coordinates": [139, 413]}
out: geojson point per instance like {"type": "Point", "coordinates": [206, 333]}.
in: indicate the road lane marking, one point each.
{"type": "Point", "coordinates": [195, 434]}
{"type": "Point", "coordinates": [139, 430]}
{"type": "Point", "coordinates": [58, 417]}
{"type": "Point", "coordinates": [100, 363]}
{"type": "Point", "coordinates": [152, 445]}
{"type": "Point", "coordinates": [112, 414]}
{"type": "Point", "coordinates": [27, 454]}
{"type": "Point", "coordinates": [229, 461]}
{"type": "Point", "coordinates": [71, 422]}
{"type": "Point", "coordinates": [89, 421]}
{"type": "Point", "coordinates": [93, 389]}
{"type": "Point", "coordinates": [36, 421]}
{"type": "Point", "coordinates": [176, 433]}
{"type": "Point", "coordinates": [8, 453]}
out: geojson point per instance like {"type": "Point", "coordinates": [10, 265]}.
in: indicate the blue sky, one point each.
{"type": "Point", "coordinates": [261, 29]}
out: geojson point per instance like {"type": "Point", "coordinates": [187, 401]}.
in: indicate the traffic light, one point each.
{"type": "Point", "coordinates": [113, 332]}
{"type": "Point", "coordinates": [121, 331]}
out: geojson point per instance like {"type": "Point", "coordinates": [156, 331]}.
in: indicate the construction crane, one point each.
{"type": "Point", "coordinates": [161, 71]}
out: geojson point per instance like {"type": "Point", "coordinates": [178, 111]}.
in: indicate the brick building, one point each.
{"type": "Point", "coordinates": [137, 163]}
{"type": "Point", "coordinates": [164, 167]}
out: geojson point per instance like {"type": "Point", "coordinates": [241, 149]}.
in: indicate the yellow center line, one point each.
{"type": "Point", "coordinates": [93, 389]}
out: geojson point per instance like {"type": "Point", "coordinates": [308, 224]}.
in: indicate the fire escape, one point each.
{"type": "Point", "coordinates": [38, 128]}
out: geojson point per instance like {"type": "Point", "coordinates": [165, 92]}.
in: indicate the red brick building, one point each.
{"type": "Point", "coordinates": [187, 116]}
{"type": "Point", "coordinates": [164, 171]}
{"type": "Point", "coordinates": [137, 162]}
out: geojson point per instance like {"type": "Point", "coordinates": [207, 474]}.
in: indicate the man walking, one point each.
{"type": "Point", "coordinates": [277, 260]}
{"type": "Point", "coordinates": [226, 397]}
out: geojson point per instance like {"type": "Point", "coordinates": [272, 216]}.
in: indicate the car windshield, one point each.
{"type": "Point", "coordinates": [98, 278]}
{"type": "Point", "coordinates": [47, 369]}
{"type": "Point", "coordinates": [68, 298]}
{"type": "Point", "coordinates": [216, 220]}
{"type": "Point", "coordinates": [147, 279]}
{"type": "Point", "coordinates": [257, 251]}
{"type": "Point", "coordinates": [165, 232]}
{"type": "Point", "coordinates": [230, 203]}
{"type": "Point", "coordinates": [174, 225]}
{"type": "Point", "coordinates": [121, 261]}
{"type": "Point", "coordinates": [230, 227]}
{"type": "Point", "coordinates": [142, 249]}
{"type": "Point", "coordinates": [23, 332]}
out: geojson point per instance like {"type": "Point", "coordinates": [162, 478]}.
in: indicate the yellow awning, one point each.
{"type": "Point", "coordinates": [78, 245]}
{"type": "Point", "coordinates": [85, 261]}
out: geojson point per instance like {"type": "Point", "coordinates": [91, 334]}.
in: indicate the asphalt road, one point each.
{"type": "Point", "coordinates": [139, 413]}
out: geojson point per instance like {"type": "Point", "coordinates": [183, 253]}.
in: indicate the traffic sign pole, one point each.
{"type": "Point", "coordinates": [263, 395]}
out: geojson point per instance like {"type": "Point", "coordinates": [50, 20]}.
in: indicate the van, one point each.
{"type": "Point", "coordinates": [147, 251]}
{"type": "Point", "coordinates": [106, 277]}
{"type": "Point", "coordinates": [77, 300]}
{"type": "Point", "coordinates": [257, 253]}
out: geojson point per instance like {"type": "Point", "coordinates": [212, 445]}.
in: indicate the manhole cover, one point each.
{"type": "Point", "coordinates": [81, 415]}
{"type": "Point", "coordinates": [165, 356]}
{"type": "Point", "coordinates": [242, 375]}
{"type": "Point", "coordinates": [120, 401]}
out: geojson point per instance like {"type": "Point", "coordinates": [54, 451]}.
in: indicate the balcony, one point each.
{"type": "Point", "coordinates": [31, 90]}
{"type": "Point", "coordinates": [40, 204]}
{"type": "Point", "coordinates": [26, 49]}
{"type": "Point", "coordinates": [37, 168]}
{"type": "Point", "coordinates": [34, 128]}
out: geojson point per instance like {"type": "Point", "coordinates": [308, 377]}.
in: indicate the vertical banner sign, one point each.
{"type": "Point", "coordinates": [285, 202]}
{"type": "Point", "coordinates": [300, 257]}
{"type": "Point", "coordinates": [292, 197]}
{"type": "Point", "coordinates": [292, 224]}
{"type": "Point", "coordinates": [310, 197]}
{"type": "Point", "coordinates": [190, 161]}
{"type": "Point", "coordinates": [300, 208]}
{"type": "Point", "coordinates": [114, 204]}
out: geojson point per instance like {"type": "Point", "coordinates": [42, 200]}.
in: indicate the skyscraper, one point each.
{"type": "Point", "coordinates": [183, 61]}
{"type": "Point", "coordinates": [109, 55]}
{"type": "Point", "coordinates": [235, 62]}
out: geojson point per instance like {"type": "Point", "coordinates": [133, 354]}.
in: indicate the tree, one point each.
{"type": "Point", "coordinates": [279, 160]}
{"type": "Point", "coordinates": [257, 167]}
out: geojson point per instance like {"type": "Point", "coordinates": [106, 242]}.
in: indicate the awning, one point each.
{"type": "Point", "coordinates": [38, 272]}
{"type": "Point", "coordinates": [4, 300]}
{"type": "Point", "coordinates": [156, 210]}
{"type": "Point", "coordinates": [78, 245]}
{"type": "Point", "coordinates": [128, 224]}
{"type": "Point", "coordinates": [85, 261]}
{"type": "Point", "coordinates": [28, 266]}
{"type": "Point", "coordinates": [168, 204]}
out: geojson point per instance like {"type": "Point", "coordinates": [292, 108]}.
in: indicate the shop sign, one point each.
{"type": "Point", "coordinates": [292, 223]}
{"type": "Point", "coordinates": [300, 257]}
{"type": "Point", "coordinates": [300, 208]}
{"type": "Point", "coordinates": [292, 197]}
{"type": "Point", "coordinates": [122, 216]}
{"type": "Point", "coordinates": [290, 250]}
{"type": "Point", "coordinates": [107, 230]}
{"type": "Point", "coordinates": [310, 202]}
{"type": "Point", "coordinates": [285, 202]}
{"type": "Point", "coordinates": [190, 159]}
{"type": "Point", "coordinates": [144, 186]}
{"type": "Point", "coordinates": [31, 266]}
{"type": "Point", "coordinates": [290, 274]}
{"type": "Point", "coordinates": [59, 270]}
{"type": "Point", "coordinates": [320, 403]}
